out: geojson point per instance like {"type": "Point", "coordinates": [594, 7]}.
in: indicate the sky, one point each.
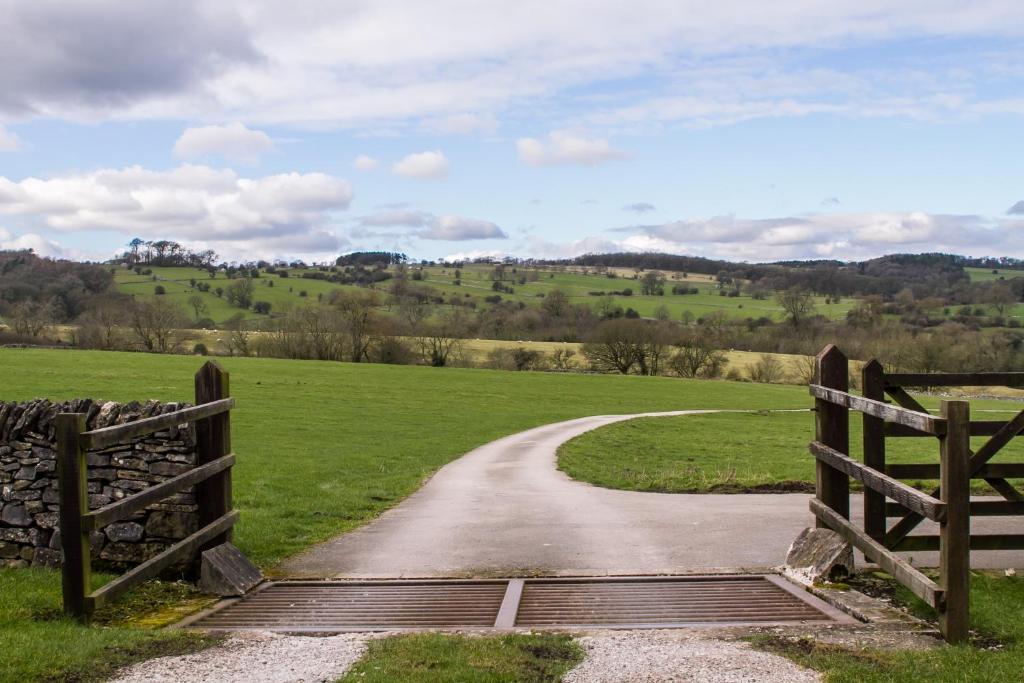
{"type": "Point", "coordinates": [796, 129]}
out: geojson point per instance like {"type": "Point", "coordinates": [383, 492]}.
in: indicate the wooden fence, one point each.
{"type": "Point", "coordinates": [211, 477]}
{"type": "Point", "coordinates": [885, 496]}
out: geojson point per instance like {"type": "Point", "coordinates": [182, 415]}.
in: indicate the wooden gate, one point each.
{"type": "Point", "coordinates": [885, 496]}
{"type": "Point", "coordinates": [211, 477]}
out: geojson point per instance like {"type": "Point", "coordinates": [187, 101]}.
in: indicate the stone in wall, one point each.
{"type": "Point", "coordinates": [29, 495]}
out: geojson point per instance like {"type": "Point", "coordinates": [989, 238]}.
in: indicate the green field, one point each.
{"type": "Point", "coordinates": [475, 285]}
{"type": "Point", "coordinates": [325, 447]}
{"type": "Point", "coordinates": [987, 274]}
{"type": "Point", "coordinates": [732, 452]}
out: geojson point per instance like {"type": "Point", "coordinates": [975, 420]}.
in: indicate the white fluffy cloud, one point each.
{"type": "Point", "coordinates": [8, 140]}
{"type": "Point", "coordinates": [377, 63]}
{"type": "Point", "coordinates": [427, 226]}
{"type": "Point", "coordinates": [563, 147]}
{"type": "Point", "coordinates": [37, 243]}
{"type": "Point", "coordinates": [458, 228]}
{"type": "Point", "coordinates": [364, 162]}
{"type": "Point", "coordinates": [427, 165]}
{"type": "Point", "coordinates": [233, 141]}
{"type": "Point", "coordinates": [189, 202]}
{"type": "Point", "coordinates": [846, 236]}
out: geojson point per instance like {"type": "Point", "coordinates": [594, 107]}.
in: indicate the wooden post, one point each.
{"type": "Point", "coordinates": [833, 429]}
{"type": "Point", "coordinates": [74, 502]}
{"type": "Point", "coordinates": [213, 440]}
{"type": "Point", "coordinates": [873, 387]}
{"type": "Point", "coordinates": [955, 530]}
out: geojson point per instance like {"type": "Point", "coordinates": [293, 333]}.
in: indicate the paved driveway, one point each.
{"type": "Point", "coordinates": [504, 508]}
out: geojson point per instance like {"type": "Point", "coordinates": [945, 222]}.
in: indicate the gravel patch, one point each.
{"type": "Point", "coordinates": [257, 656]}
{"type": "Point", "coordinates": [677, 656]}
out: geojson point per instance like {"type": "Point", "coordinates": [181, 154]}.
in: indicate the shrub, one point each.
{"type": "Point", "coordinates": [159, 290]}
{"type": "Point", "coordinates": [200, 350]}
{"type": "Point", "coordinates": [261, 307]}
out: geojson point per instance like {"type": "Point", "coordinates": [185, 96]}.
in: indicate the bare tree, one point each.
{"type": "Point", "coordinates": [768, 369]}
{"type": "Point", "coordinates": [697, 356]}
{"type": "Point", "coordinates": [198, 306]}
{"type": "Point", "coordinates": [30, 318]}
{"type": "Point", "coordinates": [442, 340]}
{"type": "Point", "coordinates": [154, 321]}
{"type": "Point", "coordinates": [798, 303]}
{"type": "Point", "coordinates": [1001, 297]}
{"type": "Point", "coordinates": [356, 310]}
{"type": "Point", "coordinates": [615, 346]}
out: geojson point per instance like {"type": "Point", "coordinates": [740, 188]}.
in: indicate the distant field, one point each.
{"type": "Point", "coordinates": [476, 285]}
{"type": "Point", "coordinates": [989, 274]}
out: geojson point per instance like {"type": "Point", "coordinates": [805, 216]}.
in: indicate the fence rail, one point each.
{"type": "Point", "coordinates": [211, 477]}
{"type": "Point", "coordinates": [886, 497]}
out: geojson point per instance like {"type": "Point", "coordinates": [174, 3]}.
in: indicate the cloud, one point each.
{"type": "Point", "coordinates": [565, 148]}
{"type": "Point", "coordinates": [97, 58]}
{"type": "Point", "coordinates": [846, 236]}
{"type": "Point", "coordinates": [428, 226]}
{"type": "Point", "coordinates": [462, 124]}
{"type": "Point", "coordinates": [457, 228]}
{"type": "Point", "coordinates": [830, 201]}
{"type": "Point", "coordinates": [397, 217]}
{"type": "Point", "coordinates": [1017, 209]}
{"type": "Point", "coordinates": [639, 207]}
{"type": "Point", "coordinates": [233, 141]}
{"type": "Point", "coordinates": [461, 256]}
{"type": "Point", "coordinates": [9, 142]}
{"type": "Point", "coordinates": [188, 202]}
{"type": "Point", "coordinates": [422, 165]}
{"type": "Point", "coordinates": [452, 67]}
{"type": "Point", "coordinates": [365, 163]}
{"type": "Point", "coordinates": [37, 243]}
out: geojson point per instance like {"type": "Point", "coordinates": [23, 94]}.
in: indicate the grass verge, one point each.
{"type": "Point", "coordinates": [441, 658]}
{"type": "Point", "coordinates": [997, 655]}
{"type": "Point", "coordinates": [728, 453]}
{"type": "Point", "coordinates": [39, 644]}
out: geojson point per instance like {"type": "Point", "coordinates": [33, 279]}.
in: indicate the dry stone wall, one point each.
{"type": "Point", "coordinates": [29, 497]}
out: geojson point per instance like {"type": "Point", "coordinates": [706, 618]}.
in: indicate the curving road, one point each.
{"type": "Point", "coordinates": [505, 509]}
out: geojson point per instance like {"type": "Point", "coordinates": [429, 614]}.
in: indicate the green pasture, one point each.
{"type": "Point", "coordinates": [997, 653]}
{"type": "Point", "coordinates": [735, 452]}
{"type": "Point", "coordinates": [990, 274]}
{"type": "Point", "coordinates": [322, 448]}
{"type": "Point", "coordinates": [476, 283]}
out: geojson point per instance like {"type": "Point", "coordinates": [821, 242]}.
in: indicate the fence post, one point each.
{"type": "Point", "coordinates": [873, 387]}
{"type": "Point", "coordinates": [74, 502]}
{"type": "Point", "coordinates": [832, 426]}
{"type": "Point", "coordinates": [955, 529]}
{"type": "Point", "coordinates": [213, 440]}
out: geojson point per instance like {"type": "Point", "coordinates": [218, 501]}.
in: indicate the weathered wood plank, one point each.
{"type": "Point", "coordinates": [74, 502]}
{"type": "Point", "coordinates": [873, 387]}
{"type": "Point", "coordinates": [955, 529]}
{"type": "Point", "coordinates": [979, 460]}
{"type": "Point", "coordinates": [922, 422]}
{"type": "Point", "coordinates": [979, 508]}
{"type": "Point", "coordinates": [900, 395]}
{"type": "Point", "coordinates": [213, 441]}
{"type": "Point", "coordinates": [978, 428]}
{"type": "Point", "coordinates": [919, 584]}
{"type": "Point", "coordinates": [152, 567]}
{"type": "Point", "coordinates": [832, 427]}
{"type": "Point", "coordinates": [110, 436]}
{"type": "Point", "coordinates": [108, 514]}
{"type": "Point", "coordinates": [918, 544]}
{"type": "Point", "coordinates": [1005, 489]}
{"type": "Point", "coordinates": [955, 379]}
{"type": "Point", "coordinates": [926, 471]}
{"type": "Point", "coordinates": [909, 497]}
